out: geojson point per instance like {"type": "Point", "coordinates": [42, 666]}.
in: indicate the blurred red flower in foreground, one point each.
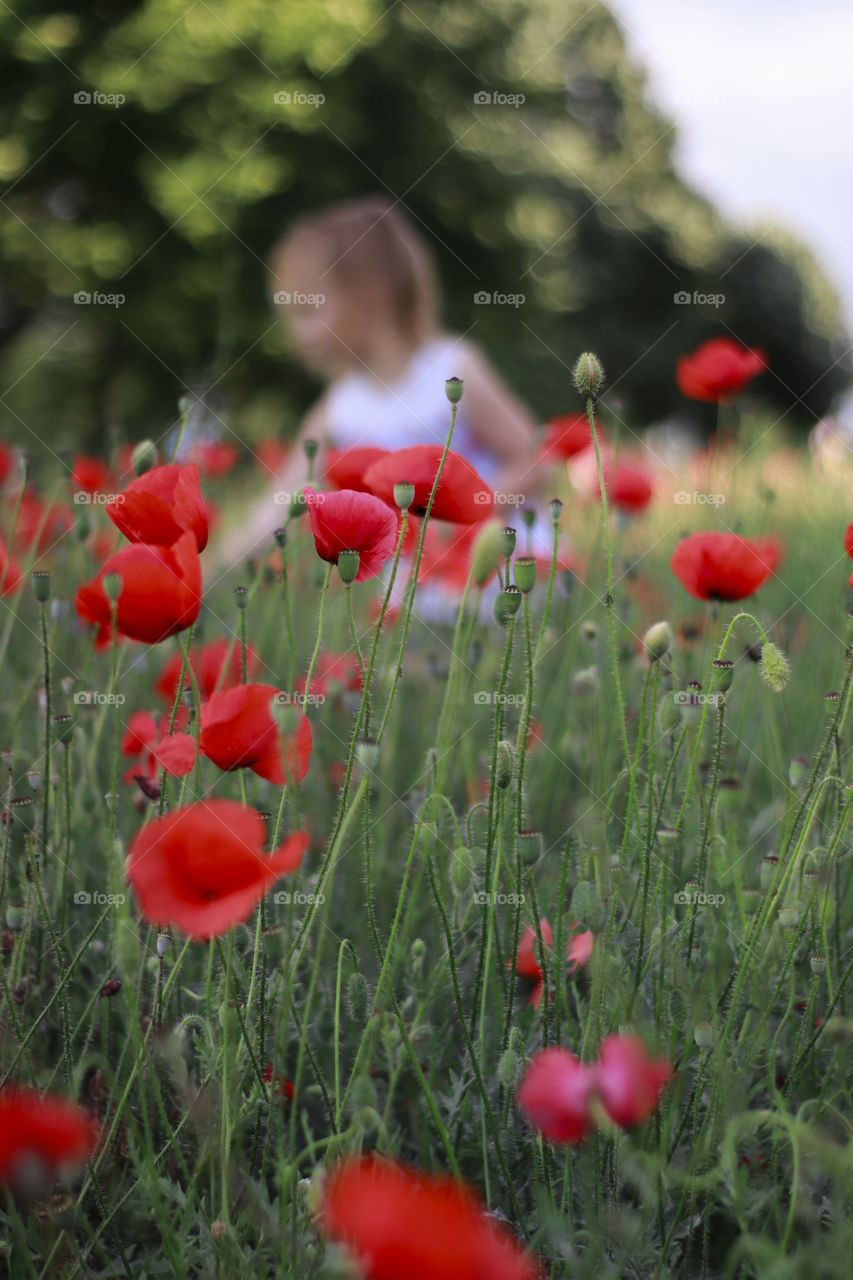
{"type": "Point", "coordinates": [566, 436]}
{"type": "Point", "coordinates": [91, 475]}
{"type": "Point", "coordinates": [718, 369]}
{"type": "Point", "coordinates": [578, 951]}
{"type": "Point", "coordinates": [462, 496]}
{"type": "Point", "coordinates": [161, 591]}
{"type": "Point", "coordinates": [41, 525]}
{"type": "Point", "coordinates": [628, 488]}
{"type": "Point", "coordinates": [202, 868]}
{"type": "Point", "coordinates": [207, 664]}
{"type": "Point", "coordinates": [42, 1134]}
{"type": "Point", "coordinates": [345, 468]}
{"type": "Point", "coordinates": [10, 572]}
{"type": "Point", "coordinates": [723, 566]}
{"type": "Point", "coordinates": [161, 505]}
{"type": "Point", "coordinates": [348, 520]}
{"type": "Point", "coordinates": [402, 1223]}
{"type": "Point", "coordinates": [238, 732]}
{"type": "Point", "coordinates": [215, 458]}
{"type": "Point", "coordinates": [557, 1090]}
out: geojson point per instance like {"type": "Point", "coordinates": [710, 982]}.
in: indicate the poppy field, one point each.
{"type": "Point", "coordinates": [346, 937]}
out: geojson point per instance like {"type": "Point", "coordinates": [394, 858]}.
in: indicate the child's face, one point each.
{"type": "Point", "coordinates": [314, 319]}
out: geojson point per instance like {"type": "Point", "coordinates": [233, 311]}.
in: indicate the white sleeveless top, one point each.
{"type": "Point", "coordinates": [413, 410]}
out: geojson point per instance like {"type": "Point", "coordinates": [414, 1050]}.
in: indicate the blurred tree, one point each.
{"type": "Point", "coordinates": [153, 151]}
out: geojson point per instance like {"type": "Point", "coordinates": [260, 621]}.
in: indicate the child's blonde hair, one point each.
{"type": "Point", "coordinates": [375, 257]}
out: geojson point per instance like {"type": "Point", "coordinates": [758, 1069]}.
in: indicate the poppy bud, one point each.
{"type": "Point", "coordinates": [348, 564]}
{"type": "Point", "coordinates": [363, 1092]}
{"type": "Point", "coordinates": [529, 844]}
{"type": "Point", "coordinates": [588, 375]}
{"type": "Point", "coordinates": [418, 952]}
{"type": "Point", "coordinates": [524, 572]}
{"type": "Point", "coordinates": [503, 765]}
{"type": "Point", "coordinates": [113, 584]}
{"type": "Point", "coordinates": [507, 542]}
{"type": "Point", "coordinates": [774, 668]}
{"type": "Point", "coordinates": [724, 672]}
{"type": "Point", "coordinates": [798, 771]}
{"type": "Point", "coordinates": [555, 506]}
{"type": "Point", "coordinates": [453, 388]}
{"type": "Point", "coordinates": [461, 870]}
{"type": "Point", "coordinates": [404, 495]}
{"type": "Point", "coordinates": [589, 631]}
{"type": "Point", "coordinates": [657, 641]}
{"type": "Point", "coordinates": [41, 585]}
{"type": "Point", "coordinates": [511, 1065]}
{"type": "Point", "coordinates": [367, 753]}
{"type": "Point", "coordinates": [587, 681]}
{"type": "Point", "coordinates": [357, 997]}
{"type": "Point", "coordinates": [703, 1034]}
{"type": "Point", "coordinates": [144, 457]}
{"type": "Point", "coordinates": [163, 944]}
{"type": "Point", "coordinates": [769, 867]}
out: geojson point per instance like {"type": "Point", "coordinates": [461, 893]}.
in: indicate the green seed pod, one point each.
{"type": "Point", "coordinates": [309, 448]}
{"type": "Point", "coordinates": [529, 844]}
{"type": "Point", "coordinates": [241, 597]}
{"type": "Point", "coordinates": [524, 572]}
{"type": "Point", "coordinates": [453, 389]}
{"type": "Point", "coordinates": [348, 564]}
{"type": "Point", "coordinates": [724, 674]}
{"type": "Point", "coordinates": [703, 1034]}
{"type": "Point", "coordinates": [818, 965]}
{"type": "Point", "coordinates": [507, 542]}
{"type": "Point", "coordinates": [769, 869]}
{"type": "Point", "coordinates": [41, 585]}
{"type": "Point", "coordinates": [144, 457]}
{"type": "Point", "coordinates": [404, 495]}
{"type": "Point", "coordinates": [555, 506]}
{"type": "Point", "coordinates": [512, 600]}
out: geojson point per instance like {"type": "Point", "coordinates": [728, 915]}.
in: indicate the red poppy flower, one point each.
{"type": "Point", "coordinates": [345, 468]}
{"type": "Point", "coordinates": [10, 572]}
{"type": "Point", "coordinates": [723, 566]}
{"type": "Point", "coordinates": [555, 1095]}
{"type": "Point", "coordinates": [7, 462]}
{"type": "Point", "coordinates": [207, 663]}
{"type": "Point", "coordinates": [161, 591]}
{"type": "Point", "coordinates": [334, 673]}
{"type": "Point", "coordinates": [140, 732]}
{"type": "Point", "coordinates": [462, 496]}
{"type": "Point", "coordinates": [40, 525]}
{"type": "Point", "coordinates": [352, 521]}
{"type": "Point", "coordinates": [718, 369]}
{"type": "Point", "coordinates": [526, 963]}
{"type": "Point", "coordinates": [238, 732]}
{"type": "Point", "coordinates": [848, 541]}
{"type": "Point", "coordinates": [628, 1080]}
{"type": "Point", "coordinates": [202, 868]}
{"type": "Point", "coordinates": [91, 475]}
{"type": "Point", "coordinates": [161, 505]}
{"type": "Point", "coordinates": [215, 458]}
{"type": "Point", "coordinates": [271, 455]}
{"type": "Point", "coordinates": [566, 436]}
{"type": "Point", "coordinates": [279, 1082]}
{"type": "Point", "coordinates": [579, 949]}
{"type": "Point", "coordinates": [422, 1226]}
{"type": "Point", "coordinates": [43, 1131]}
{"type": "Point", "coordinates": [628, 488]}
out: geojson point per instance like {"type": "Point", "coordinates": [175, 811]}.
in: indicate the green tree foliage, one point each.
{"type": "Point", "coordinates": [173, 197]}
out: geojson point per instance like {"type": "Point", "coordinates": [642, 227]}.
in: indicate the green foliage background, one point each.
{"type": "Point", "coordinates": [174, 198]}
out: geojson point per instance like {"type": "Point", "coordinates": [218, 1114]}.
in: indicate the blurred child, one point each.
{"type": "Point", "coordinates": [360, 300]}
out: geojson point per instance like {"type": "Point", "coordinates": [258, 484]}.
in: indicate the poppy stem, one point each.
{"type": "Point", "coordinates": [323, 592]}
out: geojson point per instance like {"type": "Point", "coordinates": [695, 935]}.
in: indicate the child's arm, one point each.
{"type": "Point", "coordinates": [254, 531]}
{"type": "Point", "coordinates": [501, 424]}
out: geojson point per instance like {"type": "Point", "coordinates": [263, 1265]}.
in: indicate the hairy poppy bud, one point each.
{"type": "Point", "coordinates": [774, 668]}
{"type": "Point", "coordinates": [588, 374]}
{"type": "Point", "coordinates": [357, 997]}
{"type": "Point", "coordinates": [144, 457]}
{"type": "Point", "coordinates": [453, 389]}
{"type": "Point", "coordinates": [461, 869]}
{"type": "Point", "coordinates": [503, 765]}
{"type": "Point", "coordinates": [486, 554]}
{"type": "Point", "coordinates": [367, 753]}
{"type": "Point", "coordinates": [657, 641]}
{"type": "Point", "coordinates": [798, 770]}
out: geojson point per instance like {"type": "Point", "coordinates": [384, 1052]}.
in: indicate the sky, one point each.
{"type": "Point", "coordinates": [762, 93]}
